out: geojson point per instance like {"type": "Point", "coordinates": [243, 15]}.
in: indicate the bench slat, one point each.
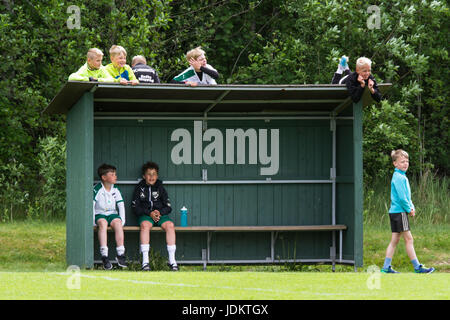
{"type": "Point", "coordinates": [246, 228]}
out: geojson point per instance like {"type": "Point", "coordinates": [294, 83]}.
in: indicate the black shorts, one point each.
{"type": "Point", "coordinates": [399, 222]}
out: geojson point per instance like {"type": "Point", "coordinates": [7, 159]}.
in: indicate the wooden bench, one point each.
{"type": "Point", "coordinates": [272, 229]}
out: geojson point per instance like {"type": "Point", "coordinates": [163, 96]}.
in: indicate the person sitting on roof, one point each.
{"type": "Point", "coordinates": [92, 70]}
{"type": "Point", "coordinates": [199, 70]}
{"type": "Point", "coordinates": [357, 81]}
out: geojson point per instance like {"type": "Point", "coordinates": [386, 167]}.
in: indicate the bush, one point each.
{"type": "Point", "coordinates": [52, 171]}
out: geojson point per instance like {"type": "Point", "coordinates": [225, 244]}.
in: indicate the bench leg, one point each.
{"type": "Point", "coordinates": [333, 252]}
{"type": "Point", "coordinates": [204, 259]}
{"type": "Point", "coordinates": [273, 239]}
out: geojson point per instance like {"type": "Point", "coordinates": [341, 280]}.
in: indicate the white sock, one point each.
{"type": "Point", "coordinates": [171, 250]}
{"type": "Point", "coordinates": [104, 251]}
{"type": "Point", "coordinates": [340, 69]}
{"type": "Point", "coordinates": [145, 248]}
{"type": "Point", "coordinates": [120, 250]}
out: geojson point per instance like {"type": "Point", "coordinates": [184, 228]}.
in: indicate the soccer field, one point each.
{"type": "Point", "coordinates": [221, 285]}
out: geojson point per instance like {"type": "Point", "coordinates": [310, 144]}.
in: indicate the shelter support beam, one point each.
{"type": "Point", "coordinates": [80, 150]}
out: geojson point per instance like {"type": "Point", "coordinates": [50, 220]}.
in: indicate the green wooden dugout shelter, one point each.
{"type": "Point", "coordinates": [269, 173]}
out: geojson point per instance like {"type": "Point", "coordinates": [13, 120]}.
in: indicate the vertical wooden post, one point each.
{"type": "Point", "coordinates": [79, 181]}
{"type": "Point", "coordinates": [358, 180]}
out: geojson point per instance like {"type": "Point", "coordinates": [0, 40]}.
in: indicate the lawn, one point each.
{"type": "Point", "coordinates": [32, 266]}
{"type": "Point", "coordinates": [222, 285]}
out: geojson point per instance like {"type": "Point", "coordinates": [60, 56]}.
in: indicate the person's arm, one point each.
{"type": "Point", "coordinates": [156, 78]}
{"type": "Point", "coordinates": [355, 90]}
{"type": "Point", "coordinates": [80, 75]}
{"type": "Point", "coordinates": [120, 205]}
{"type": "Point", "coordinates": [212, 73]}
{"type": "Point", "coordinates": [374, 91]}
{"type": "Point", "coordinates": [402, 194]}
{"type": "Point", "coordinates": [93, 214]}
{"type": "Point", "coordinates": [136, 204]}
{"type": "Point", "coordinates": [104, 76]}
{"type": "Point", "coordinates": [167, 207]}
{"type": "Point", "coordinates": [131, 76]}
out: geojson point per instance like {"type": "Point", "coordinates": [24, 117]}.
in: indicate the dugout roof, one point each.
{"type": "Point", "coordinates": [217, 99]}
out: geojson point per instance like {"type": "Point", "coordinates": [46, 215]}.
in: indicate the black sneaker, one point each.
{"type": "Point", "coordinates": [122, 261]}
{"type": "Point", "coordinates": [146, 267]}
{"type": "Point", "coordinates": [173, 267]}
{"type": "Point", "coordinates": [106, 264]}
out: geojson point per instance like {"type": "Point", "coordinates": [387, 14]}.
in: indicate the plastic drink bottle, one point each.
{"type": "Point", "coordinates": [184, 212]}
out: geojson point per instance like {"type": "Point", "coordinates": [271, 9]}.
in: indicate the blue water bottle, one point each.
{"type": "Point", "coordinates": [184, 221]}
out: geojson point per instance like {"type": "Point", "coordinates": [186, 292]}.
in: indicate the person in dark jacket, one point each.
{"type": "Point", "coordinates": [152, 206]}
{"type": "Point", "coordinates": [143, 72]}
{"type": "Point", "coordinates": [357, 81]}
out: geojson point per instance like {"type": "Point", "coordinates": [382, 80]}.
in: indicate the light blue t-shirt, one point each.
{"type": "Point", "coordinates": [400, 193]}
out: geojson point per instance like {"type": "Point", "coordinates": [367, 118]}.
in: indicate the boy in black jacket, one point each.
{"type": "Point", "coordinates": [151, 205]}
{"type": "Point", "coordinates": [357, 81]}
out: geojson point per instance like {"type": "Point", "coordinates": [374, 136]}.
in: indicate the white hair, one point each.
{"type": "Point", "coordinates": [363, 61]}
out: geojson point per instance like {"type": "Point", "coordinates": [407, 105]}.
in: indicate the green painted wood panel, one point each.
{"type": "Point", "coordinates": [80, 146]}
{"type": "Point", "coordinates": [305, 152]}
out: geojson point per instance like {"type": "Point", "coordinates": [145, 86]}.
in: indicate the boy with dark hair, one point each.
{"type": "Point", "coordinates": [107, 199]}
{"type": "Point", "coordinates": [152, 206]}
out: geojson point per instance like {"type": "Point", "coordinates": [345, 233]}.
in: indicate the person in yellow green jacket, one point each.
{"type": "Point", "coordinates": [92, 70]}
{"type": "Point", "coordinates": [118, 68]}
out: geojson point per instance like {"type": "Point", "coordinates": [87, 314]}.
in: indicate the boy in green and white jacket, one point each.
{"type": "Point", "coordinates": [199, 71]}
{"type": "Point", "coordinates": [93, 69]}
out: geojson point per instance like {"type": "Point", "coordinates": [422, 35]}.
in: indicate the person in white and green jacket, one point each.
{"type": "Point", "coordinates": [93, 69]}
{"type": "Point", "coordinates": [118, 68]}
{"type": "Point", "coordinates": [199, 71]}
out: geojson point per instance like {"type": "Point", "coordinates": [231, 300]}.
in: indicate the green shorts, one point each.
{"type": "Point", "coordinates": [109, 218]}
{"type": "Point", "coordinates": [162, 219]}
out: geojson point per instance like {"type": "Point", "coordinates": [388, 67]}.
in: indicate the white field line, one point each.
{"type": "Point", "coordinates": [145, 282]}
{"type": "Point", "coordinates": [175, 284]}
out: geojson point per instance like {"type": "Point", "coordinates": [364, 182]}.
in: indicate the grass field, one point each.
{"type": "Point", "coordinates": [221, 285]}
{"type": "Point", "coordinates": [32, 266]}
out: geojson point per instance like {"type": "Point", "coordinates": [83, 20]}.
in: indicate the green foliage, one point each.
{"type": "Point", "coordinates": [263, 42]}
{"type": "Point", "coordinates": [52, 169]}
{"type": "Point", "coordinates": [429, 194]}
{"type": "Point", "coordinates": [387, 126]}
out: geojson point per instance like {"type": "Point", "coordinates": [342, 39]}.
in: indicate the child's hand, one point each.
{"type": "Point", "coordinates": [370, 85]}
{"type": "Point", "coordinates": [195, 64]}
{"type": "Point", "coordinates": [191, 83]}
{"type": "Point", "coordinates": [155, 215]}
{"type": "Point", "coordinates": [134, 82]}
{"type": "Point", "coordinates": [412, 213]}
{"type": "Point", "coordinates": [123, 81]}
{"type": "Point", "coordinates": [361, 81]}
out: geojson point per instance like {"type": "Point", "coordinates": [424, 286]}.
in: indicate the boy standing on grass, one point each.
{"type": "Point", "coordinates": [152, 206]}
{"type": "Point", "coordinates": [106, 198]}
{"type": "Point", "coordinates": [401, 206]}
